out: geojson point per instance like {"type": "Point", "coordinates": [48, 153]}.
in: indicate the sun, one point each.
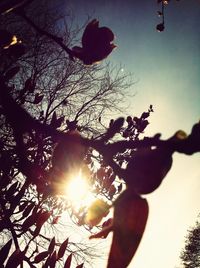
{"type": "Point", "coordinates": [78, 191]}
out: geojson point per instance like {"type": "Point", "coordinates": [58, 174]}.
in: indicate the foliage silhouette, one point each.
{"type": "Point", "coordinates": [190, 255]}
{"type": "Point", "coordinates": [30, 167]}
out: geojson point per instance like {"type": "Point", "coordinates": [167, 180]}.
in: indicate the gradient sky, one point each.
{"type": "Point", "coordinates": [166, 67]}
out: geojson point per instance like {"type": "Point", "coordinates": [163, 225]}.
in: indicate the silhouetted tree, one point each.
{"type": "Point", "coordinates": [39, 77]}
{"type": "Point", "coordinates": [47, 133]}
{"type": "Point", "coordinates": [190, 255]}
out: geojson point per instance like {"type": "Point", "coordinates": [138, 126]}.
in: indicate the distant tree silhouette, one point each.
{"type": "Point", "coordinates": [190, 256]}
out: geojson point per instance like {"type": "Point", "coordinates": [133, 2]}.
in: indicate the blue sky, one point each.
{"type": "Point", "coordinates": [166, 67]}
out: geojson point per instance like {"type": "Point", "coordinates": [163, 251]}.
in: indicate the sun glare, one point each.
{"type": "Point", "coordinates": [78, 191]}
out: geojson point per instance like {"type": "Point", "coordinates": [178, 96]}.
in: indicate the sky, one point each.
{"type": "Point", "coordinates": [166, 68]}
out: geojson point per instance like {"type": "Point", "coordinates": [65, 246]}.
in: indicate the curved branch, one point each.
{"type": "Point", "coordinates": [56, 39]}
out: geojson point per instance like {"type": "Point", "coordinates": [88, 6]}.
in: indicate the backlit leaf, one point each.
{"type": "Point", "coordinates": [11, 73]}
{"type": "Point", "coordinates": [62, 248]}
{"type": "Point", "coordinates": [53, 260]}
{"type": "Point", "coordinates": [41, 256]}
{"type": "Point", "coordinates": [15, 259]}
{"type": "Point", "coordinates": [68, 261]}
{"type": "Point", "coordinates": [38, 98]}
{"type": "Point", "coordinates": [5, 250]}
{"type": "Point", "coordinates": [130, 217]}
{"type": "Point", "coordinates": [52, 245]}
{"type": "Point", "coordinates": [28, 210]}
{"type": "Point", "coordinates": [80, 266]}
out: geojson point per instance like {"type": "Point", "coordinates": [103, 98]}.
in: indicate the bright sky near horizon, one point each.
{"type": "Point", "coordinates": [166, 67]}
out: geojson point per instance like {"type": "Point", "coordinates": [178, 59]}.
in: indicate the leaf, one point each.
{"type": "Point", "coordinates": [16, 50]}
{"type": "Point", "coordinates": [43, 217]}
{"type": "Point", "coordinates": [13, 188]}
{"type": "Point", "coordinates": [55, 220]}
{"type": "Point", "coordinates": [5, 38]}
{"type": "Point", "coordinates": [38, 98]}
{"type": "Point", "coordinates": [80, 266]}
{"type": "Point", "coordinates": [15, 259]}
{"type": "Point", "coordinates": [3, 225]}
{"type": "Point", "coordinates": [145, 115]}
{"type": "Point", "coordinates": [5, 250]}
{"type": "Point", "coordinates": [16, 200]}
{"type": "Point", "coordinates": [11, 73]}
{"type": "Point", "coordinates": [41, 256]}
{"type": "Point", "coordinates": [53, 119]}
{"type": "Point", "coordinates": [52, 260]}
{"type": "Point", "coordinates": [28, 210]}
{"type": "Point", "coordinates": [56, 122]}
{"type": "Point", "coordinates": [29, 85]}
{"type": "Point", "coordinates": [130, 217]}
{"type": "Point", "coordinates": [30, 221]}
{"type": "Point", "coordinates": [114, 128]}
{"type": "Point", "coordinates": [52, 245]}
{"type": "Point", "coordinates": [59, 121]}
{"type": "Point", "coordinates": [68, 261]}
{"type": "Point", "coordinates": [62, 248]}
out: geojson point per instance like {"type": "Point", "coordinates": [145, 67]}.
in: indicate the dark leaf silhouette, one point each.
{"type": "Point", "coordinates": [15, 259]}
{"type": "Point", "coordinates": [23, 205]}
{"type": "Point", "coordinates": [11, 73]}
{"type": "Point", "coordinates": [53, 119]}
{"type": "Point", "coordinates": [62, 249]}
{"type": "Point", "coordinates": [56, 122]}
{"type": "Point", "coordinates": [53, 260]}
{"type": "Point", "coordinates": [40, 220]}
{"type": "Point", "coordinates": [114, 128]}
{"type": "Point", "coordinates": [5, 250]}
{"type": "Point", "coordinates": [41, 256]}
{"type": "Point", "coordinates": [52, 245]}
{"type": "Point", "coordinates": [30, 221]}
{"type": "Point", "coordinates": [38, 98]}
{"type": "Point", "coordinates": [10, 192]}
{"type": "Point", "coordinates": [96, 44]}
{"type": "Point", "coordinates": [16, 51]}
{"type": "Point", "coordinates": [145, 115]}
{"type": "Point", "coordinates": [28, 209]}
{"type": "Point", "coordinates": [29, 85]}
{"type": "Point", "coordinates": [68, 261]}
{"type": "Point", "coordinates": [80, 265]}
{"type": "Point", "coordinates": [5, 38]}
{"type": "Point", "coordinates": [147, 169]}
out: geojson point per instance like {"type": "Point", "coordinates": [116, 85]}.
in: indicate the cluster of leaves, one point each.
{"type": "Point", "coordinates": [30, 216]}
{"type": "Point", "coordinates": [25, 209]}
{"type": "Point", "coordinates": [49, 257]}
